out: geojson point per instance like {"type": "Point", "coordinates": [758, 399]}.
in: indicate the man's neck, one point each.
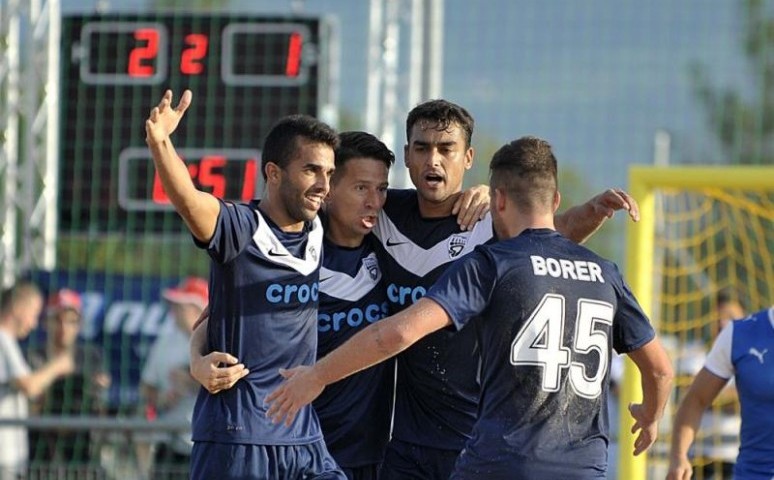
{"type": "Point", "coordinates": [6, 327]}
{"type": "Point", "coordinates": [340, 237]}
{"type": "Point", "coordinates": [276, 212]}
{"type": "Point", "coordinates": [428, 209]}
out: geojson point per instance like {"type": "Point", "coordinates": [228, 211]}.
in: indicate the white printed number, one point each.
{"type": "Point", "coordinates": [540, 343]}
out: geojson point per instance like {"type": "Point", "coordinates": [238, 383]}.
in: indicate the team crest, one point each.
{"type": "Point", "coordinates": [372, 265]}
{"type": "Point", "coordinates": [457, 244]}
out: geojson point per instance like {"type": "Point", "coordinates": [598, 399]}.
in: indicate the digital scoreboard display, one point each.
{"type": "Point", "coordinates": [245, 73]}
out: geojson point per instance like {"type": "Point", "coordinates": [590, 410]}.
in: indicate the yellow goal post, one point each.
{"type": "Point", "coordinates": [703, 229]}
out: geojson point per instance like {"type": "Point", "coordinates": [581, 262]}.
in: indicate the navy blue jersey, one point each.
{"type": "Point", "coordinates": [547, 312]}
{"type": "Point", "coordinates": [437, 388]}
{"type": "Point", "coordinates": [263, 310]}
{"type": "Point", "coordinates": [355, 412]}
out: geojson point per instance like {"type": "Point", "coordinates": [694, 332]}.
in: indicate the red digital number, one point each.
{"type": "Point", "coordinates": [144, 53]}
{"type": "Point", "coordinates": [208, 178]}
{"type": "Point", "coordinates": [191, 60]}
{"type": "Point", "coordinates": [293, 63]}
{"type": "Point", "coordinates": [248, 186]}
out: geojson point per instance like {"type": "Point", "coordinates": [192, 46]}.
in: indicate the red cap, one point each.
{"type": "Point", "coordinates": [65, 299]}
{"type": "Point", "coordinates": [192, 290]}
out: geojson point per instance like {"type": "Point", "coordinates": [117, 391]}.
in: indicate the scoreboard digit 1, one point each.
{"type": "Point", "coordinates": [245, 73]}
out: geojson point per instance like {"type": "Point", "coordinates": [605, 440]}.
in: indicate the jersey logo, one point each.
{"type": "Point", "coordinates": [758, 354]}
{"type": "Point", "coordinates": [312, 252]}
{"type": "Point", "coordinates": [372, 266]}
{"type": "Point", "coordinates": [340, 285]}
{"type": "Point", "coordinates": [456, 245]}
{"type": "Point", "coordinates": [274, 253]}
{"type": "Point", "coordinates": [391, 243]}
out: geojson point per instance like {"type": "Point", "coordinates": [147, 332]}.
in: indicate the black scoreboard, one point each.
{"type": "Point", "coordinates": [245, 73]}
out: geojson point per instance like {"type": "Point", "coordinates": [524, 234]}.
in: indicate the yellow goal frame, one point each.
{"type": "Point", "coordinates": [643, 183]}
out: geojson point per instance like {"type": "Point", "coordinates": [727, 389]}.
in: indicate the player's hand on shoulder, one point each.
{"type": "Point", "coordinates": [163, 118]}
{"type": "Point", "coordinates": [217, 371]}
{"type": "Point", "coordinates": [646, 425]}
{"type": "Point", "coordinates": [471, 206]}
{"type": "Point", "coordinates": [606, 203]}
{"type": "Point", "coordinates": [301, 387]}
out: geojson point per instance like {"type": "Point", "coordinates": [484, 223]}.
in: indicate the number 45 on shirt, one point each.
{"type": "Point", "coordinates": [540, 343]}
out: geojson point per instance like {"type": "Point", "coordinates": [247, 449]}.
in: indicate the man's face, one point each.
{"type": "Point", "coordinates": [63, 326]}
{"type": "Point", "coordinates": [306, 180]}
{"type": "Point", "coordinates": [437, 160]}
{"type": "Point", "coordinates": [26, 315]}
{"type": "Point", "coordinates": [358, 192]}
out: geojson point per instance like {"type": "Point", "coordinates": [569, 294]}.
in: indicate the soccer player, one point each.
{"type": "Point", "coordinates": [263, 295]}
{"type": "Point", "coordinates": [743, 352]}
{"type": "Point", "coordinates": [354, 413]}
{"type": "Point", "coordinates": [437, 385]}
{"type": "Point", "coordinates": [547, 312]}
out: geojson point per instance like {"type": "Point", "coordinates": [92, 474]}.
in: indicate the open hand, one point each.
{"type": "Point", "coordinates": [163, 119]}
{"type": "Point", "coordinates": [300, 388]}
{"type": "Point", "coordinates": [606, 203]}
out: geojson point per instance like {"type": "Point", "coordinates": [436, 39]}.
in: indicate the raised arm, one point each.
{"type": "Point", "coordinates": [370, 346]}
{"type": "Point", "coordinates": [581, 222]}
{"type": "Point", "coordinates": [705, 388]}
{"type": "Point", "coordinates": [656, 370]}
{"type": "Point", "coordinates": [198, 209]}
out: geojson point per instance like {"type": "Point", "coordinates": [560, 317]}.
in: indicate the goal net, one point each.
{"type": "Point", "coordinates": [706, 236]}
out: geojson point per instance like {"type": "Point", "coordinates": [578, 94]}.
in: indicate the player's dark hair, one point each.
{"type": "Point", "coordinates": [18, 293]}
{"type": "Point", "coordinates": [281, 144]}
{"type": "Point", "coordinates": [361, 145]}
{"type": "Point", "coordinates": [526, 169]}
{"type": "Point", "coordinates": [441, 115]}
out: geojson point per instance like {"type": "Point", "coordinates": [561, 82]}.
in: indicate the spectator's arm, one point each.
{"type": "Point", "coordinates": [35, 383]}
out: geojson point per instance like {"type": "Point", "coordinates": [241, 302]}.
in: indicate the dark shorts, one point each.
{"type": "Point", "coordinates": [263, 462]}
{"type": "Point", "coordinates": [367, 472]}
{"type": "Point", "coordinates": [408, 461]}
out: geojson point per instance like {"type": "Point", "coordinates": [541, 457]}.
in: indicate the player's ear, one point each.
{"type": "Point", "coordinates": [557, 200]}
{"type": "Point", "coordinates": [272, 172]}
{"type": "Point", "coordinates": [499, 199]}
{"type": "Point", "coordinates": [469, 154]}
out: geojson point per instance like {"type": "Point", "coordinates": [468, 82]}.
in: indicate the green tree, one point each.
{"type": "Point", "coordinates": [744, 124]}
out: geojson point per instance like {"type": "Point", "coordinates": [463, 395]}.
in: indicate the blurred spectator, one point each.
{"type": "Point", "coordinates": [78, 393]}
{"type": "Point", "coordinates": [721, 421]}
{"type": "Point", "coordinates": [167, 388]}
{"type": "Point", "coordinates": [20, 307]}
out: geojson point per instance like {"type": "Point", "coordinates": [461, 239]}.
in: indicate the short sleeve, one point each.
{"type": "Point", "coordinates": [233, 231]}
{"type": "Point", "coordinates": [12, 363]}
{"type": "Point", "coordinates": [631, 327]}
{"type": "Point", "coordinates": [465, 289]}
{"type": "Point", "coordinates": [719, 358]}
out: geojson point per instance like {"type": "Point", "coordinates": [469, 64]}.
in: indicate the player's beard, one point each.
{"type": "Point", "coordinates": [299, 207]}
